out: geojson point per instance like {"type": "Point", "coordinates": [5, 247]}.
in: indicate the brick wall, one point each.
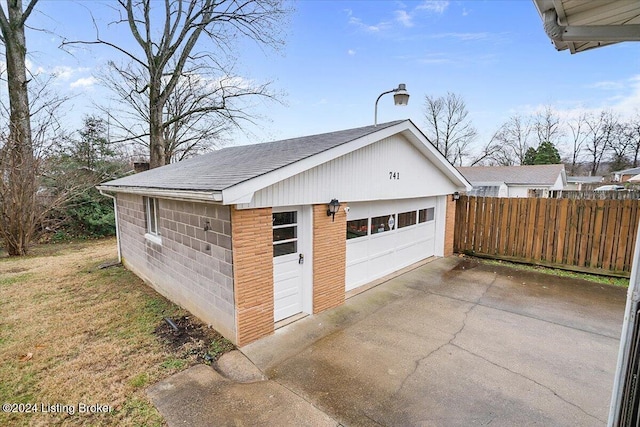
{"type": "Point", "coordinates": [253, 273]}
{"type": "Point", "coordinates": [450, 226]}
{"type": "Point", "coordinates": [329, 258]}
{"type": "Point", "coordinates": [191, 267]}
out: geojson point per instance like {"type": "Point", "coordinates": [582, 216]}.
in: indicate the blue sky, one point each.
{"type": "Point", "coordinates": [340, 55]}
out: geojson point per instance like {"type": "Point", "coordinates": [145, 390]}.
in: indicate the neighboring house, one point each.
{"type": "Point", "coordinates": [579, 183]}
{"type": "Point", "coordinates": [242, 236]}
{"type": "Point", "coordinates": [514, 181]}
{"type": "Point", "coordinates": [624, 175]}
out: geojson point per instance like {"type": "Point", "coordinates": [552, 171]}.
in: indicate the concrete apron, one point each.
{"type": "Point", "coordinates": [449, 343]}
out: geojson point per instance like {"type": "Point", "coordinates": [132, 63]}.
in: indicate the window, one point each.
{"type": "Point", "coordinates": [406, 219]}
{"type": "Point", "coordinates": [357, 228]}
{"type": "Point", "coordinates": [285, 233]}
{"type": "Point", "coordinates": [425, 215]}
{"type": "Point", "coordinates": [152, 215]}
{"type": "Point", "coordinates": [380, 224]}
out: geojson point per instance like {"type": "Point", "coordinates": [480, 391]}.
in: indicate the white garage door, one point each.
{"type": "Point", "coordinates": [385, 236]}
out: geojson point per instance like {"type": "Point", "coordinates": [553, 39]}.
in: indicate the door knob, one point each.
{"type": "Point", "coordinates": [301, 259]}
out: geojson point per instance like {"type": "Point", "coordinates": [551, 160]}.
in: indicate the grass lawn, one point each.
{"type": "Point", "coordinates": [73, 333]}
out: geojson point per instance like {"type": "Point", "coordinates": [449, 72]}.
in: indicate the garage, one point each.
{"type": "Point", "coordinates": [385, 236]}
{"type": "Point", "coordinates": [250, 238]}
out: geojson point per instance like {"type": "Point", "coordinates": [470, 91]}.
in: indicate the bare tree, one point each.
{"type": "Point", "coordinates": [619, 144]}
{"type": "Point", "coordinates": [17, 162]}
{"type": "Point", "coordinates": [598, 138]}
{"type": "Point", "coordinates": [197, 116]}
{"type": "Point", "coordinates": [578, 129]}
{"type": "Point", "coordinates": [449, 127]}
{"type": "Point", "coordinates": [514, 136]}
{"type": "Point", "coordinates": [170, 41]}
{"type": "Point", "coordinates": [633, 134]}
{"type": "Point", "coordinates": [547, 126]}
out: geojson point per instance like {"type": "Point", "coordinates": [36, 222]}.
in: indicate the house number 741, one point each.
{"type": "Point", "coordinates": [394, 175]}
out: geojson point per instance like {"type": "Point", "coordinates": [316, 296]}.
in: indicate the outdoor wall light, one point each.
{"type": "Point", "coordinates": [332, 209]}
{"type": "Point", "coordinates": [455, 196]}
{"type": "Point", "coordinates": [400, 97]}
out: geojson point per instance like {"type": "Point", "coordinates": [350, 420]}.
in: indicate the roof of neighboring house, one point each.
{"type": "Point", "coordinates": [513, 175]}
{"type": "Point", "coordinates": [585, 179]}
{"type": "Point", "coordinates": [234, 165]}
{"type": "Point", "coordinates": [632, 171]}
{"type": "Point", "coordinates": [581, 25]}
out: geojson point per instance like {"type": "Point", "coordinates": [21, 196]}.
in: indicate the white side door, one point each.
{"type": "Point", "coordinates": [288, 262]}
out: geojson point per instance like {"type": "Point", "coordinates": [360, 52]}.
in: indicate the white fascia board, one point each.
{"type": "Point", "coordinates": [203, 196]}
{"type": "Point", "coordinates": [243, 192]}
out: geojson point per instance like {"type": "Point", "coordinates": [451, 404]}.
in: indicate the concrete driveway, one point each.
{"type": "Point", "coordinates": [454, 343]}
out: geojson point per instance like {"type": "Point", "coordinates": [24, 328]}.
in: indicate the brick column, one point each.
{"type": "Point", "coordinates": [450, 225]}
{"type": "Point", "coordinates": [329, 258]}
{"type": "Point", "coordinates": [251, 239]}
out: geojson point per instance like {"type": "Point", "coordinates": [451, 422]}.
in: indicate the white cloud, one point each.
{"type": "Point", "coordinates": [85, 82]}
{"type": "Point", "coordinates": [404, 18]}
{"type": "Point", "coordinates": [606, 85]}
{"type": "Point", "coordinates": [435, 6]}
{"type": "Point", "coordinates": [351, 52]}
{"type": "Point", "coordinates": [366, 27]}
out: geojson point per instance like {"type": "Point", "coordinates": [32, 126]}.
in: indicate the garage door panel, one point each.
{"type": "Point", "coordinates": [376, 255]}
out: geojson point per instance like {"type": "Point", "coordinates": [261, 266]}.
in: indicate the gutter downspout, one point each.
{"type": "Point", "coordinates": [115, 212]}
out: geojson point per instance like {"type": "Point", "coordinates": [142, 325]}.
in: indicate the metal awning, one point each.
{"type": "Point", "coordinates": [580, 25]}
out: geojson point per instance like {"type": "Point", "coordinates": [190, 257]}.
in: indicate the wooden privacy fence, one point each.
{"type": "Point", "coordinates": [596, 236]}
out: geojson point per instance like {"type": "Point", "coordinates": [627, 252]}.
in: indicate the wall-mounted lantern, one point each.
{"type": "Point", "coordinates": [455, 196]}
{"type": "Point", "coordinates": [332, 209]}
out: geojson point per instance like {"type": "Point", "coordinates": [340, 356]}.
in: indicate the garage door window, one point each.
{"type": "Point", "coordinates": [285, 233]}
{"type": "Point", "coordinates": [380, 224]}
{"type": "Point", "coordinates": [426, 215]}
{"type": "Point", "coordinates": [406, 219]}
{"type": "Point", "coordinates": [357, 228]}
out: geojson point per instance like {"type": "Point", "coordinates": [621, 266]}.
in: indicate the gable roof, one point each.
{"type": "Point", "coordinates": [230, 166]}
{"type": "Point", "coordinates": [514, 175]}
{"type": "Point", "coordinates": [233, 174]}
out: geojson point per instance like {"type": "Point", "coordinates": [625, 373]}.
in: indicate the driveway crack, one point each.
{"type": "Point", "coordinates": [419, 361]}
{"type": "Point", "coordinates": [555, 393]}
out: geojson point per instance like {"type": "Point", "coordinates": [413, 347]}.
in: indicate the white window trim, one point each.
{"type": "Point", "coordinates": [152, 235]}
{"type": "Point", "coordinates": [154, 238]}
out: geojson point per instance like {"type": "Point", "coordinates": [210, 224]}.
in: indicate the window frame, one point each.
{"type": "Point", "coordinates": [294, 240]}
{"type": "Point", "coordinates": [426, 216]}
{"type": "Point", "coordinates": [152, 219]}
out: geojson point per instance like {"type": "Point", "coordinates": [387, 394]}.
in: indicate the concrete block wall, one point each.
{"type": "Point", "coordinates": [329, 258]}
{"type": "Point", "coordinates": [253, 273]}
{"type": "Point", "coordinates": [191, 267]}
{"type": "Point", "coordinates": [450, 226]}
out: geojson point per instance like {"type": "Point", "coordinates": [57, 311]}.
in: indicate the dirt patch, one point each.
{"type": "Point", "coordinates": [192, 340]}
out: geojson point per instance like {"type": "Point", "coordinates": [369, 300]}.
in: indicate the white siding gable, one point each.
{"type": "Point", "coordinates": [391, 168]}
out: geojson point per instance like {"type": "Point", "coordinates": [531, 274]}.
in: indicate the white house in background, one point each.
{"type": "Point", "coordinates": [243, 237]}
{"type": "Point", "coordinates": [514, 181]}
{"type": "Point", "coordinates": [625, 175]}
{"type": "Point", "coordinates": [578, 183]}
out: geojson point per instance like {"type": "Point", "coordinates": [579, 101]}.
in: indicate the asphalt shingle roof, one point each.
{"type": "Point", "coordinates": [536, 175]}
{"type": "Point", "coordinates": [229, 166]}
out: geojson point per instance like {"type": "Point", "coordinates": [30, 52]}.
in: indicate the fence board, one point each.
{"type": "Point", "coordinates": [593, 235]}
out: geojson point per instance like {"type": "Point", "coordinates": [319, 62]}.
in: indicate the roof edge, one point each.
{"type": "Point", "coordinates": [204, 195]}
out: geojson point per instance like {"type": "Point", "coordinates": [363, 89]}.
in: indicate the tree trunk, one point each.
{"type": "Point", "coordinates": [157, 156]}
{"type": "Point", "coordinates": [19, 191]}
